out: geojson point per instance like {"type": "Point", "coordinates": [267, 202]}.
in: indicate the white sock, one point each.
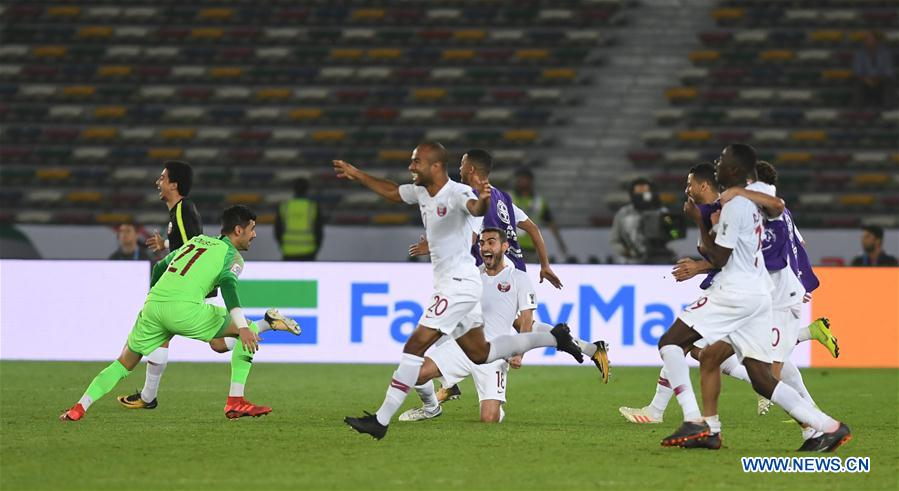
{"type": "Point", "coordinates": [236, 390]}
{"type": "Point", "coordinates": [805, 334]}
{"type": "Point", "coordinates": [502, 415]}
{"type": "Point", "coordinates": [679, 377]}
{"type": "Point", "coordinates": [518, 344]}
{"type": "Point", "coordinates": [156, 364]}
{"type": "Point", "coordinates": [85, 401]}
{"type": "Point", "coordinates": [802, 410]}
{"type": "Point", "coordinates": [263, 325]}
{"type": "Point", "coordinates": [230, 343]}
{"type": "Point", "coordinates": [735, 369]}
{"type": "Point", "coordinates": [428, 395]}
{"type": "Point", "coordinates": [810, 433]}
{"type": "Point", "coordinates": [714, 424]}
{"type": "Point", "coordinates": [663, 396]}
{"type": "Point", "coordinates": [587, 347]}
{"type": "Point", "coordinates": [404, 378]}
{"type": "Point", "coordinates": [790, 375]}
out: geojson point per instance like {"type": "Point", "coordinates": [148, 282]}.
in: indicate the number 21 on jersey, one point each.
{"type": "Point", "coordinates": [190, 262]}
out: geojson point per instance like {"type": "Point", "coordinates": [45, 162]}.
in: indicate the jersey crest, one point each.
{"type": "Point", "coordinates": [441, 210]}
{"type": "Point", "coordinates": [503, 286]}
{"type": "Point", "coordinates": [503, 212]}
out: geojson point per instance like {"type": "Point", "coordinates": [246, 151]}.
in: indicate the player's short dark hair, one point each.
{"type": "Point", "coordinates": [875, 230]}
{"type": "Point", "coordinates": [524, 172]}
{"type": "Point", "coordinates": [704, 172]}
{"type": "Point", "coordinates": [236, 215]}
{"type": "Point", "coordinates": [480, 159]}
{"type": "Point", "coordinates": [745, 156]}
{"type": "Point", "coordinates": [440, 153]}
{"type": "Point", "coordinates": [503, 237]}
{"type": "Point", "coordinates": [766, 172]}
{"type": "Point", "coordinates": [181, 173]}
{"type": "Point", "coordinates": [300, 186]}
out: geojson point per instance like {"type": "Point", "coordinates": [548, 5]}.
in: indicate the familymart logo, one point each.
{"type": "Point", "coordinates": [295, 298]}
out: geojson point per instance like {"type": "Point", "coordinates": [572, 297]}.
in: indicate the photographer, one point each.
{"type": "Point", "coordinates": [641, 229]}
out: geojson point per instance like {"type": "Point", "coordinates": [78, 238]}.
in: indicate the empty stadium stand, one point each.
{"type": "Point", "coordinates": [94, 95]}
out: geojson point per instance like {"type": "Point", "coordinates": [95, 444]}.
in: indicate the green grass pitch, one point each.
{"type": "Point", "coordinates": [562, 431]}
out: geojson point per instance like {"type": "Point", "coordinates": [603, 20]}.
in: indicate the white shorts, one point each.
{"type": "Point", "coordinates": [785, 332]}
{"type": "Point", "coordinates": [454, 366]}
{"type": "Point", "coordinates": [742, 320]}
{"type": "Point", "coordinates": [455, 308]}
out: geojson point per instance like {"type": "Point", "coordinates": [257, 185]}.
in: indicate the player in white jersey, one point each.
{"type": "Point", "coordinates": [702, 188]}
{"type": "Point", "coordinates": [736, 310]}
{"type": "Point", "coordinates": [454, 309]}
{"type": "Point", "coordinates": [509, 300]}
{"type": "Point", "coordinates": [787, 295]}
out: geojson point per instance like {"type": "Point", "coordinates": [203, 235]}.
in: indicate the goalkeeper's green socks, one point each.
{"type": "Point", "coordinates": [241, 362]}
{"type": "Point", "coordinates": [104, 382]}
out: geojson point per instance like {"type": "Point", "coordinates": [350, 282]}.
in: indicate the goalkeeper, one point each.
{"type": "Point", "coordinates": [175, 305]}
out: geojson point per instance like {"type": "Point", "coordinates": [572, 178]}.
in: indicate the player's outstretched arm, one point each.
{"type": "Point", "coordinates": [546, 272]}
{"type": "Point", "coordinates": [773, 206]}
{"type": "Point", "coordinates": [385, 188]}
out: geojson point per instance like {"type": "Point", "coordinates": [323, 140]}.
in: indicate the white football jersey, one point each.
{"type": "Point", "coordinates": [445, 217]}
{"type": "Point", "coordinates": [740, 229]}
{"type": "Point", "coordinates": [505, 295]}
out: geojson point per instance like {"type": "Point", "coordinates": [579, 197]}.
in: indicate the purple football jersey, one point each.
{"type": "Point", "coordinates": [781, 247]}
{"type": "Point", "coordinates": [501, 215]}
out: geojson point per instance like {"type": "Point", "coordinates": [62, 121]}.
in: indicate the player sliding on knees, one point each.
{"type": "Point", "coordinates": [175, 306]}
{"type": "Point", "coordinates": [508, 300]}
{"type": "Point", "coordinates": [736, 310]}
{"type": "Point", "coordinates": [455, 307]}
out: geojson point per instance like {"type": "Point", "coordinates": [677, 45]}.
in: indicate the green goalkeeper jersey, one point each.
{"type": "Point", "coordinates": [189, 273]}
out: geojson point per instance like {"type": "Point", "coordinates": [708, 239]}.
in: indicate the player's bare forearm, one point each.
{"type": "Point", "coordinates": [539, 244]}
{"type": "Point", "coordinates": [718, 255]}
{"type": "Point", "coordinates": [773, 206]}
{"type": "Point", "coordinates": [525, 321]}
{"type": "Point", "coordinates": [478, 207]}
{"type": "Point", "coordinates": [385, 188]}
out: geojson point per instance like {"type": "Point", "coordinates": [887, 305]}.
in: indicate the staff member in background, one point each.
{"type": "Point", "coordinates": [299, 225]}
{"type": "Point", "coordinates": [872, 243]}
{"type": "Point", "coordinates": [184, 220]}
{"type": "Point", "coordinates": [538, 211]}
{"type": "Point", "coordinates": [130, 249]}
{"type": "Point", "coordinates": [626, 236]}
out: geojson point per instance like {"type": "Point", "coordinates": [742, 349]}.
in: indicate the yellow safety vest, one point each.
{"type": "Point", "coordinates": [533, 206]}
{"type": "Point", "coordinates": [298, 216]}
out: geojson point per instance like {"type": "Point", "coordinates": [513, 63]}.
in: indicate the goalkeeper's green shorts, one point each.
{"type": "Point", "coordinates": [157, 322]}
